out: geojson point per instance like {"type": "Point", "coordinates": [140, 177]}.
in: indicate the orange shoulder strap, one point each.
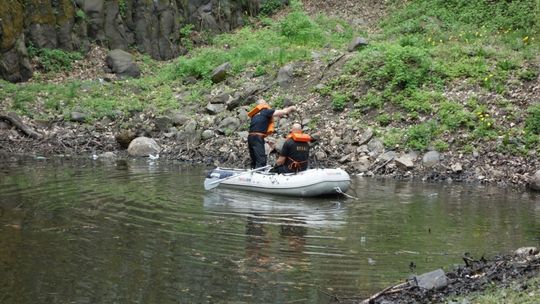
{"type": "Point", "coordinates": [257, 109]}
{"type": "Point", "coordinates": [299, 137]}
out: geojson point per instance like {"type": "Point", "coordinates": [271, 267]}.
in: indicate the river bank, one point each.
{"type": "Point", "coordinates": [518, 271]}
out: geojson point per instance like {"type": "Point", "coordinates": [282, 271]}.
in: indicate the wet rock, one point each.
{"type": "Point", "coordinates": [357, 43]}
{"type": "Point", "coordinates": [107, 155]}
{"type": "Point", "coordinates": [143, 146]}
{"type": "Point", "coordinates": [526, 251]}
{"type": "Point", "coordinates": [220, 73]}
{"type": "Point", "coordinates": [535, 181]}
{"type": "Point", "coordinates": [431, 159]}
{"type": "Point", "coordinates": [431, 280]}
{"type": "Point", "coordinates": [125, 137]}
{"type": "Point", "coordinates": [362, 165]}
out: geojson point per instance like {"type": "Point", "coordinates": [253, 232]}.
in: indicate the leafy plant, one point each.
{"type": "Point", "coordinates": [54, 60]}
{"type": "Point", "coordinates": [269, 7]}
{"type": "Point", "coordinates": [339, 101]}
{"type": "Point", "coordinates": [418, 137]}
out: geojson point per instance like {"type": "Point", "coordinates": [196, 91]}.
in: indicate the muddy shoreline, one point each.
{"type": "Point", "coordinates": [475, 275]}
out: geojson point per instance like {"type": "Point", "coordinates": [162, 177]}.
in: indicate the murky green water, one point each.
{"type": "Point", "coordinates": [141, 232]}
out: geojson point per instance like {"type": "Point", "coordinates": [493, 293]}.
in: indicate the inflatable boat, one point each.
{"type": "Point", "coordinates": [309, 183]}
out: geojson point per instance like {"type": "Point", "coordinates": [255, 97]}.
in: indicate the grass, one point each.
{"type": "Point", "coordinates": [399, 80]}
{"type": "Point", "coordinates": [425, 47]}
{"type": "Point", "coordinates": [263, 48]}
{"type": "Point", "coordinates": [526, 292]}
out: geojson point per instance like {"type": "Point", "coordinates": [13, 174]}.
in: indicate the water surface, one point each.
{"type": "Point", "coordinates": [147, 232]}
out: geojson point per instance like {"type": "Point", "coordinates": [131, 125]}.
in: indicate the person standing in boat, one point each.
{"type": "Point", "coordinates": [262, 125]}
{"type": "Point", "coordinates": [295, 152]}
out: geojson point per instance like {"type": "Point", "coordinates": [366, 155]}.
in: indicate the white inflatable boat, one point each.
{"type": "Point", "coordinates": [312, 182]}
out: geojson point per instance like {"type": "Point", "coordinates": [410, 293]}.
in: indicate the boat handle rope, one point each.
{"type": "Point", "coordinates": [338, 190]}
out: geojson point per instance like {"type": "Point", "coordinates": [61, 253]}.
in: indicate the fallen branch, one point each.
{"type": "Point", "coordinates": [386, 290]}
{"type": "Point", "coordinates": [384, 164]}
{"type": "Point", "coordinates": [16, 121]}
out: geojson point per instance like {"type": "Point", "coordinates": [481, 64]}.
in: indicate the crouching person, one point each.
{"type": "Point", "coordinates": [295, 152]}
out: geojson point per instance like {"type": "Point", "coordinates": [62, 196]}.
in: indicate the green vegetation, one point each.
{"type": "Point", "coordinates": [518, 292]}
{"type": "Point", "coordinates": [54, 60]}
{"type": "Point", "coordinates": [436, 70]}
{"type": "Point", "coordinates": [262, 49]}
{"type": "Point", "coordinates": [428, 46]}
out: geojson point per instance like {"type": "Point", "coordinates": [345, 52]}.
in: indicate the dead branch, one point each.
{"type": "Point", "coordinates": [16, 121]}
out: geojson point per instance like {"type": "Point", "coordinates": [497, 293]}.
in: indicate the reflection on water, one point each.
{"type": "Point", "coordinates": [147, 232]}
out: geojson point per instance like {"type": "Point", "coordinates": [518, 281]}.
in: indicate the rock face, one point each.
{"type": "Point", "coordinates": [151, 26]}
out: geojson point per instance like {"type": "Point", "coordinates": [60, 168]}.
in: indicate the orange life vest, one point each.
{"type": "Point", "coordinates": [256, 111]}
{"type": "Point", "coordinates": [295, 165]}
{"type": "Point", "coordinates": [299, 137]}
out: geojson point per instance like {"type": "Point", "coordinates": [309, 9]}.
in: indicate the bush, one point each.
{"type": "Point", "coordinates": [55, 60]}
{"type": "Point", "coordinates": [299, 28]}
{"type": "Point", "coordinates": [453, 115]}
{"type": "Point", "coordinates": [339, 101]}
{"type": "Point", "coordinates": [420, 136]}
{"type": "Point", "coordinates": [270, 6]}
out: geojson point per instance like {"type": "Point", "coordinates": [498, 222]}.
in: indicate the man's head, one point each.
{"type": "Point", "coordinates": [261, 102]}
{"type": "Point", "coordinates": [296, 128]}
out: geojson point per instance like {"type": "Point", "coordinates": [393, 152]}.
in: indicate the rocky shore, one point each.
{"type": "Point", "coordinates": [219, 140]}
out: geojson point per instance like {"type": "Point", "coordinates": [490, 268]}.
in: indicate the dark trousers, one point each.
{"type": "Point", "coordinates": [256, 151]}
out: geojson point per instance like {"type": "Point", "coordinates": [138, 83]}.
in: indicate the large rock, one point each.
{"type": "Point", "coordinates": [535, 181]}
{"type": "Point", "coordinates": [431, 159]}
{"type": "Point", "coordinates": [229, 124]}
{"type": "Point", "coordinates": [285, 75]}
{"type": "Point", "coordinates": [220, 73]}
{"type": "Point", "coordinates": [357, 43]}
{"type": "Point", "coordinates": [143, 146]}
{"type": "Point", "coordinates": [122, 64]}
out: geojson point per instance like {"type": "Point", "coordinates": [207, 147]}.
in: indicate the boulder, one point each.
{"type": "Point", "coordinates": [215, 108]}
{"type": "Point", "coordinates": [285, 75]}
{"type": "Point", "coordinates": [376, 147]}
{"type": "Point", "coordinates": [229, 123]}
{"type": "Point", "coordinates": [357, 43]}
{"type": "Point", "coordinates": [207, 134]}
{"type": "Point", "coordinates": [431, 159]}
{"type": "Point", "coordinates": [431, 280]}
{"type": "Point", "coordinates": [143, 146]}
{"type": "Point", "coordinates": [404, 162]}
{"type": "Point", "coordinates": [122, 64]}
{"type": "Point", "coordinates": [366, 136]}
{"type": "Point", "coordinates": [535, 181]}
{"type": "Point", "coordinates": [78, 116]}
{"type": "Point", "coordinates": [220, 73]}
{"type": "Point", "coordinates": [163, 123]}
